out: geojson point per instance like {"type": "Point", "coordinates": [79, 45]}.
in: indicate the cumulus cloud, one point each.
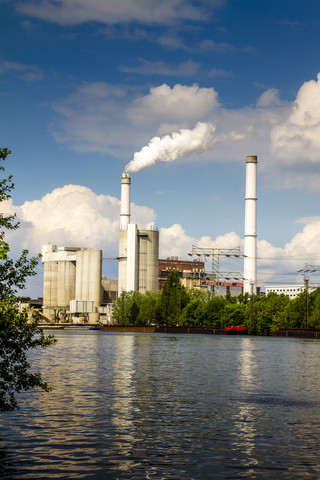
{"type": "Point", "coordinates": [74, 12]}
{"type": "Point", "coordinates": [74, 215]}
{"type": "Point", "coordinates": [297, 138]}
{"type": "Point", "coordinates": [71, 215]}
{"type": "Point", "coordinates": [269, 98]}
{"type": "Point", "coordinates": [118, 120]}
{"type": "Point", "coordinates": [179, 103]}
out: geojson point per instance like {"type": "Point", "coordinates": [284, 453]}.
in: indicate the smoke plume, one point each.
{"type": "Point", "coordinates": [178, 145]}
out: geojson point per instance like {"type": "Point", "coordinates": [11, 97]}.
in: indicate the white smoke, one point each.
{"type": "Point", "coordinates": [178, 145]}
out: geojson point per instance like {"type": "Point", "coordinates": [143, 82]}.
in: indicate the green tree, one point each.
{"type": "Point", "coordinates": [214, 311]}
{"type": "Point", "coordinates": [269, 312]}
{"type": "Point", "coordinates": [173, 299]}
{"type": "Point", "coordinates": [149, 309]}
{"type": "Point", "coordinates": [194, 313]}
{"type": "Point", "coordinates": [17, 336]}
{"type": "Point", "coordinates": [314, 309]}
{"type": "Point", "coordinates": [127, 307]}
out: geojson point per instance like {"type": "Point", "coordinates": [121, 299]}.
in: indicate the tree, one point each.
{"type": "Point", "coordinates": [149, 309]}
{"type": "Point", "coordinates": [17, 336]}
{"type": "Point", "coordinates": [194, 313]}
{"type": "Point", "coordinates": [173, 299]}
{"type": "Point", "coordinates": [127, 307]}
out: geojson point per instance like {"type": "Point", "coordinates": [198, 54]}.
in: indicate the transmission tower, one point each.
{"type": "Point", "coordinates": [215, 254]}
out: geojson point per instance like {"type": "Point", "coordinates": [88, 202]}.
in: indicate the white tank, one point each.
{"type": "Point", "coordinates": [88, 277]}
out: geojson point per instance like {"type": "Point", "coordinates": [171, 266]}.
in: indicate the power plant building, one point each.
{"type": "Point", "coordinates": [138, 249]}
{"type": "Point", "coordinates": [71, 281]}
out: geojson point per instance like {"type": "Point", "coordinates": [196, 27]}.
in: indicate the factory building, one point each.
{"type": "Point", "coordinates": [138, 249]}
{"type": "Point", "coordinates": [191, 272]}
{"type": "Point", "coordinates": [71, 281]}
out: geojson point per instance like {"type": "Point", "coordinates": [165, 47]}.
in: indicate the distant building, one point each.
{"type": "Point", "coordinates": [291, 291]}
{"type": "Point", "coordinates": [191, 272]}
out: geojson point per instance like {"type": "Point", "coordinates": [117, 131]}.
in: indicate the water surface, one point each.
{"type": "Point", "coordinates": [161, 406]}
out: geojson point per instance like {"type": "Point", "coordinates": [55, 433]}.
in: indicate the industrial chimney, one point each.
{"type": "Point", "coordinates": [250, 230]}
{"type": "Point", "coordinates": [125, 201]}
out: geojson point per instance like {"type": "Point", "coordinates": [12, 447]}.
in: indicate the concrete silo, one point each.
{"type": "Point", "coordinates": [71, 281]}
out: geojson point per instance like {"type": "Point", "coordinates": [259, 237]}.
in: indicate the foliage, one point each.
{"type": "Point", "coordinates": [17, 336]}
{"type": "Point", "coordinates": [173, 299]}
{"type": "Point", "coordinates": [149, 309]}
{"type": "Point", "coordinates": [127, 308]}
{"type": "Point", "coordinates": [16, 339]}
{"type": "Point", "coordinates": [175, 305]}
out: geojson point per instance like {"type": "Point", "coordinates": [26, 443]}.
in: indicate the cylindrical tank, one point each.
{"type": "Point", "coordinates": [95, 257]}
{"type": "Point", "coordinates": [66, 282]}
{"type": "Point", "coordinates": [88, 278]}
{"type": "Point", "coordinates": [50, 284]}
{"type": "Point", "coordinates": [50, 276]}
{"type": "Point", "coordinates": [250, 231]}
{"type": "Point", "coordinates": [148, 260]}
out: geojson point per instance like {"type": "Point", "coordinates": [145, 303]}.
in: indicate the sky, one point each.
{"type": "Point", "coordinates": [177, 92]}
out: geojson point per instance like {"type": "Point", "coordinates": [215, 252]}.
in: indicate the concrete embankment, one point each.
{"type": "Point", "coordinates": [298, 332]}
{"type": "Point", "coordinates": [164, 329]}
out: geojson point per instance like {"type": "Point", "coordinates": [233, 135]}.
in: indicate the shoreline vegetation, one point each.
{"type": "Point", "coordinates": [175, 306]}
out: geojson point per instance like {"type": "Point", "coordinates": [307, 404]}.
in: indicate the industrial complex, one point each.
{"type": "Point", "coordinates": [74, 288]}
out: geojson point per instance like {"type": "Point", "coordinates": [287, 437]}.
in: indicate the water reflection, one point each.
{"type": "Point", "coordinates": [129, 406]}
{"type": "Point", "coordinates": [245, 414]}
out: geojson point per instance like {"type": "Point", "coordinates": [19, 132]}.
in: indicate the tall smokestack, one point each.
{"type": "Point", "coordinates": [250, 230]}
{"type": "Point", "coordinates": [125, 201]}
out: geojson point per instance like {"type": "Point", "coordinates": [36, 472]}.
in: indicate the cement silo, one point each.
{"type": "Point", "coordinates": [148, 259]}
{"type": "Point", "coordinates": [71, 281]}
{"type": "Point", "coordinates": [59, 277]}
{"type": "Point", "coordinates": [88, 276]}
{"type": "Point", "coordinates": [66, 282]}
{"type": "Point", "coordinates": [50, 276]}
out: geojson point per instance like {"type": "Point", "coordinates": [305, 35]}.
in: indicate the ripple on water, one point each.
{"type": "Point", "coordinates": [165, 407]}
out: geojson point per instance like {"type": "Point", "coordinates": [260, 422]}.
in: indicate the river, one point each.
{"type": "Point", "coordinates": [162, 406]}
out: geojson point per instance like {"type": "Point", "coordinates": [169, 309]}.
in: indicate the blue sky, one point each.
{"type": "Point", "coordinates": [86, 85]}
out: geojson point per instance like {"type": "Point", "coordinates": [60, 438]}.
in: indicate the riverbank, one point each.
{"type": "Point", "coordinates": [298, 332]}
{"type": "Point", "coordinates": [282, 332]}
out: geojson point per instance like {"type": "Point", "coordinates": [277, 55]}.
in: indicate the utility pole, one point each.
{"type": "Point", "coordinates": [311, 269]}
{"type": "Point", "coordinates": [306, 300]}
{"type": "Point", "coordinates": [251, 308]}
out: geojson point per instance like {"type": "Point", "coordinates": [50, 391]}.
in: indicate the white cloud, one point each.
{"type": "Point", "coordinates": [297, 138]}
{"type": "Point", "coordinates": [120, 120]}
{"type": "Point", "coordinates": [185, 69]}
{"type": "Point", "coordinates": [71, 215]}
{"type": "Point", "coordinates": [269, 98]}
{"type": "Point", "coordinates": [74, 12]}
{"type": "Point", "coordinates": [74, 215]}
{"type": "Point", "coordinates": [180, 103]}
{"type": "Point", "coordinates": [29, 73]}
